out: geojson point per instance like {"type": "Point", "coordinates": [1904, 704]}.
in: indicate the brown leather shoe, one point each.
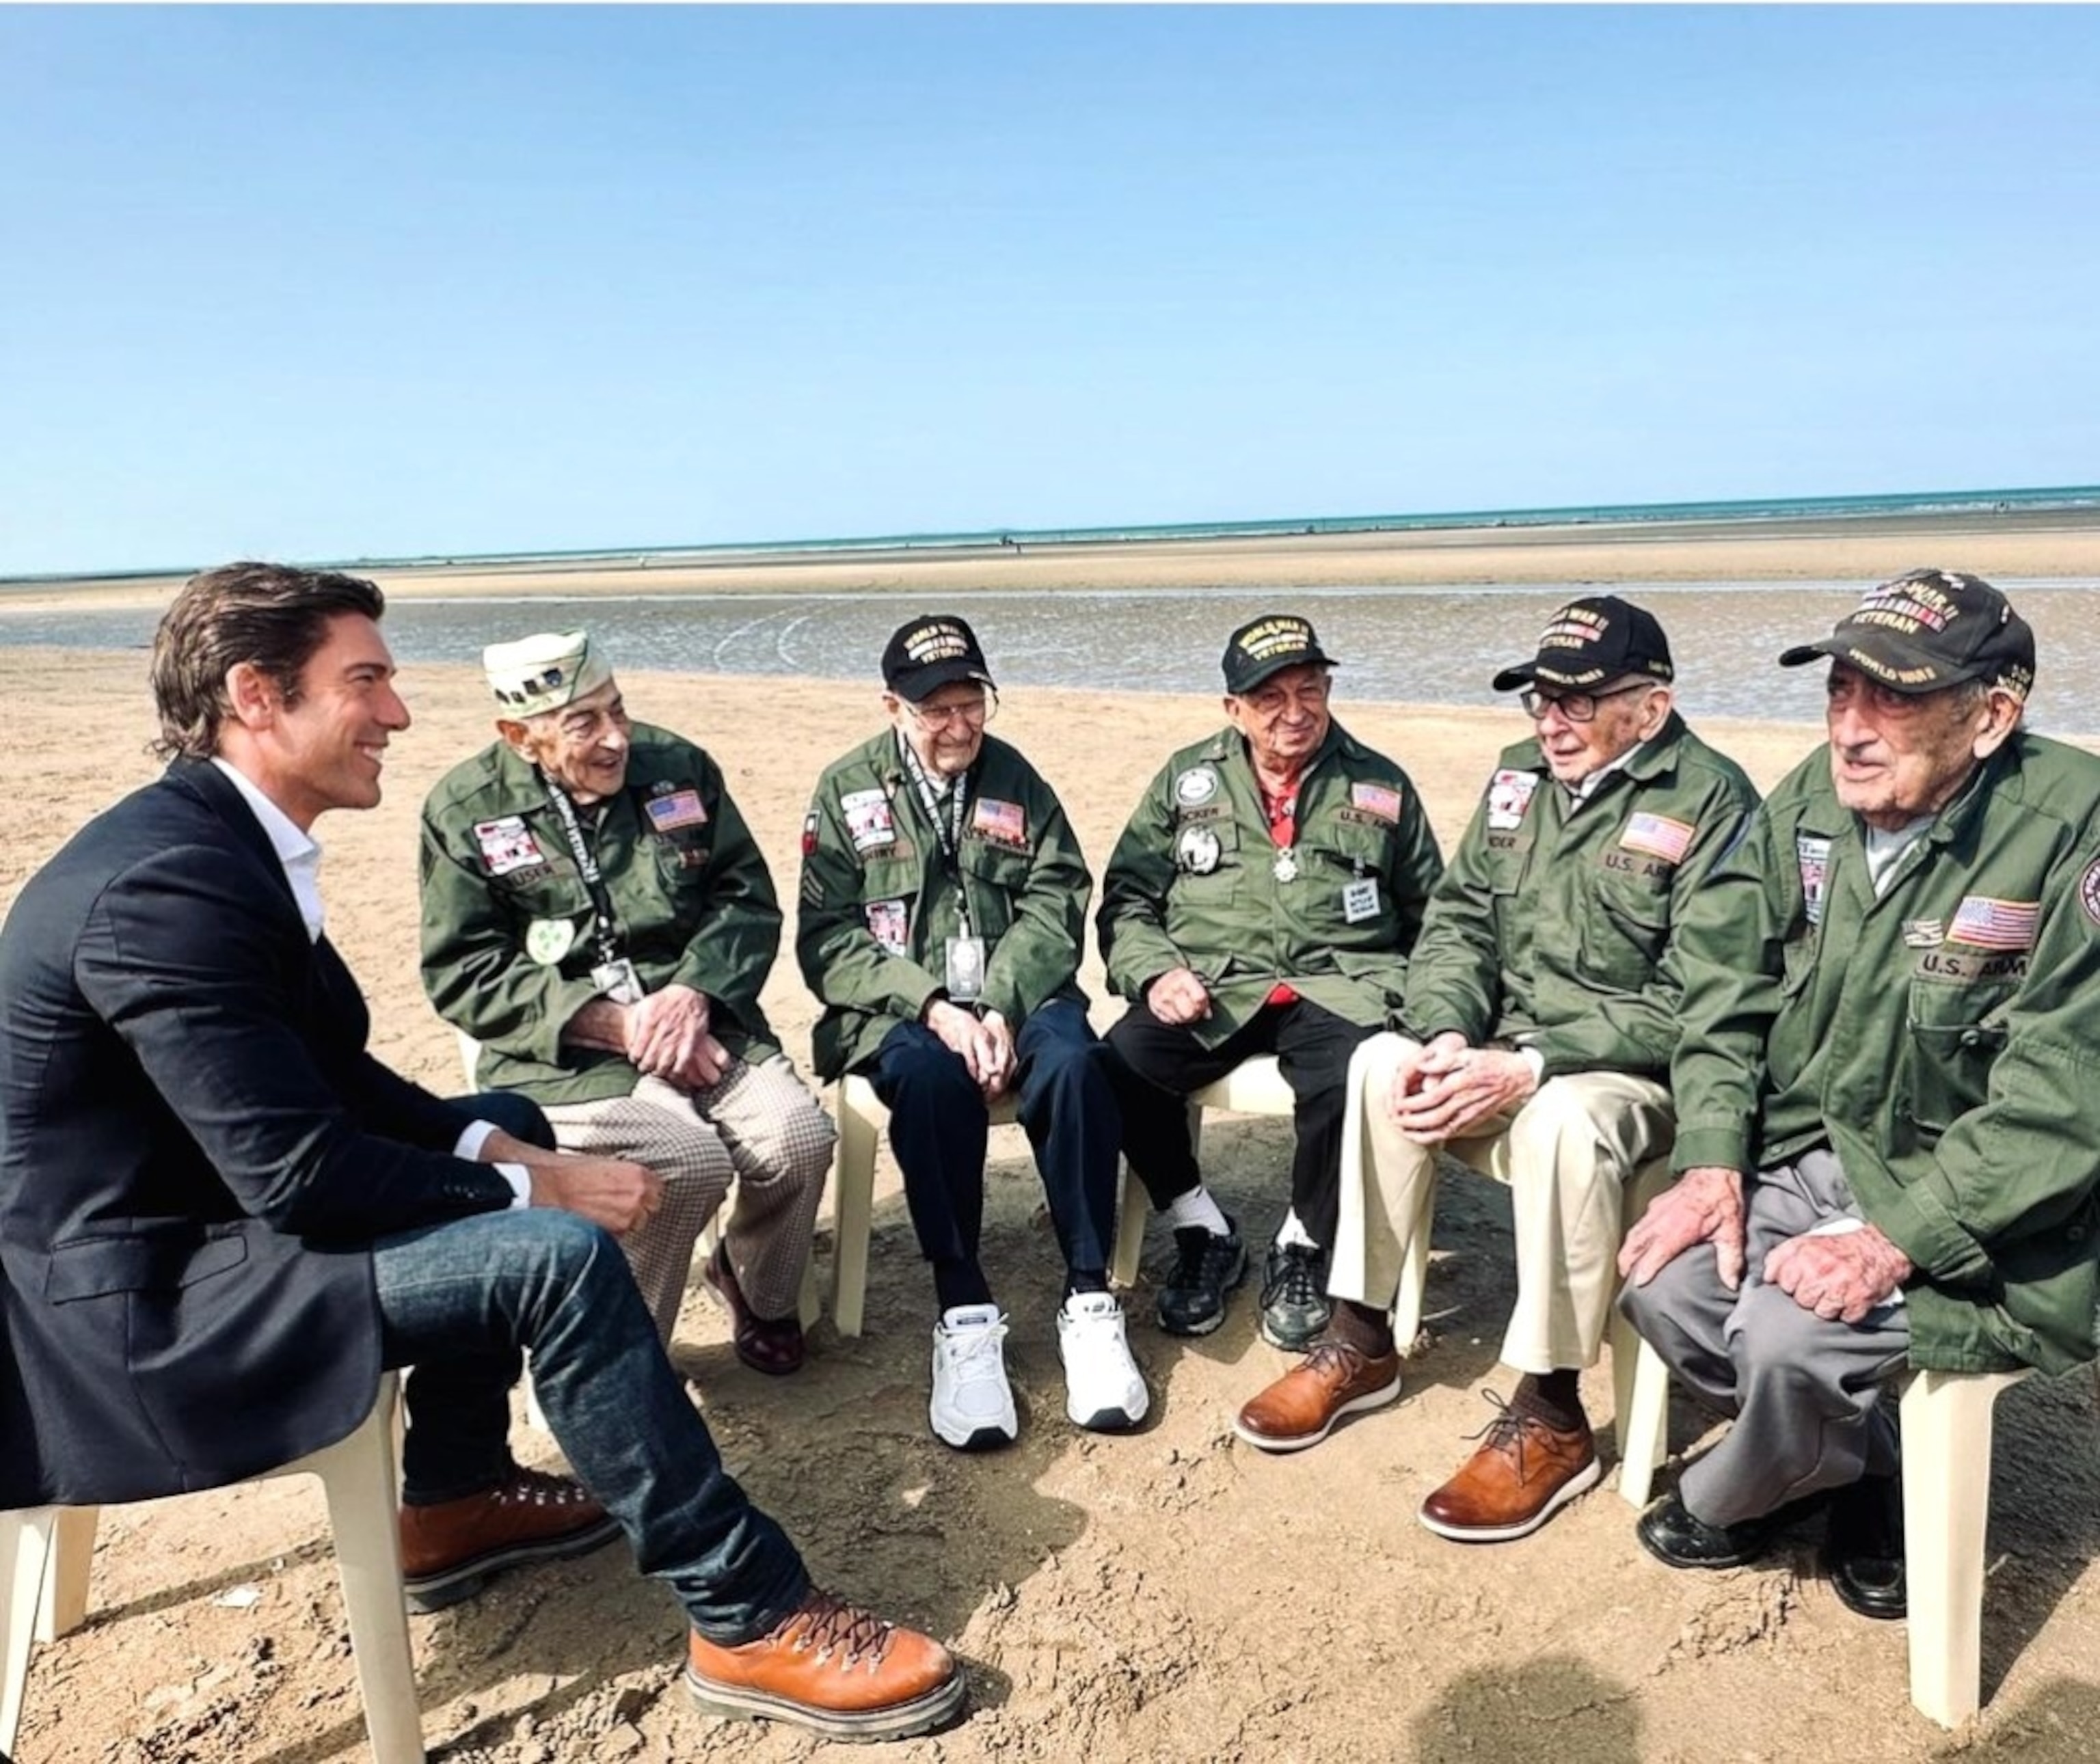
{"type": "Point", "coordinates": [451, 1550]}
{"type": "Point", "coordinates": [830, 1666]}
{"type": "Point", "coordinates": [1524, 1473]}
{"type": "Point", "coordinates": [773, 1346]}
{"type": "Point", "coordinates": [1301, 1408]}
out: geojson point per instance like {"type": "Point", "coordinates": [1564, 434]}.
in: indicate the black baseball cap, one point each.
{"type": "Point", "coordinates": [932, 650]}
{"type": "Point", "coordinates": [1928, 629]}
{"type": "Point", "coordinates": [1268, 645]}
{"type": "Point", "coordinates": [1593, 640]}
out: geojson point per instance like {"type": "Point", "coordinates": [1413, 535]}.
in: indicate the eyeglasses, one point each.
{"type": "Point", "coordinates": [968, 712]}
{"type": "Point", "coordinates": [1577, 706]}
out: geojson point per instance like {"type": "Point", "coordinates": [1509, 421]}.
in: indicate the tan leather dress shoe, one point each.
{"type": "Point", "coordinates": [451, 1550]}
{"type": "Point", "coordinates": [1301, 1408]}
{"type": "Point", "coordinates": [1524, 1473]}
{"type": "Point", "coordinates": [830, 1666]}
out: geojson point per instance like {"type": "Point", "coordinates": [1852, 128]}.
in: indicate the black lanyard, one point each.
{"type": "Point", "coordinates": [948, 836]}
{"type": "Point", "coordinates": [587, 865]}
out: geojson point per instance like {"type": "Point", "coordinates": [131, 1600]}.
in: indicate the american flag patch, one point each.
{"type": "Point", "coordinates": [1659, 837]}
{"type": "Point", "coordinates": [681, 807]}
{"type": "Point", "coordinates": [1983, 924]}
{"type": "Point", "coordinates": [1380, 800]}
{"type": "Point", "coordinates": [1003, 822]}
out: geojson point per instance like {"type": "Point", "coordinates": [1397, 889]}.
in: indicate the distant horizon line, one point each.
{"type": "Point", "coordinates": [1746, 510]}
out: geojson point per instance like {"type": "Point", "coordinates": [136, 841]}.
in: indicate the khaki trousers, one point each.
{"type": "Point", "coordinates": [761, 1128]}
{"type": "Point", "coordinates": [1566, 1155]}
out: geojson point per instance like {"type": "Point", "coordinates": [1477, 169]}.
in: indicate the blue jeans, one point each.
{"type": "Point", "coordinates": [459, 1301]}
{"type": "Point", "coordinates": [938, 1126]}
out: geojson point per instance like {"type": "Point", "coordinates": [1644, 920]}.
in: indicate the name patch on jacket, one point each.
{"type": "Point", "coordinates": [1659, 837]}
{"type": "Point", "coordinates": [676, 809]}
{"type": "Point", "coordinates": [1379, 800]}
{"type": "Point", "coordinates": [1003, 823]}
{"type": "Point", "coordinates": [1509, 795]}
{"type": "Point", "coordinates": [1813, 853]}
{"type": "Point", "coordinates": [868, 820]}
{"type": "Point", "coordinates": [1983, 924]}
{"type": "Point", "coordinates": [507, 844]}
{"type": "Point", "coordinates": [889, 923]}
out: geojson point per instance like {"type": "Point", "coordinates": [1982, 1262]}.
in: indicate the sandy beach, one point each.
{"type": "Point", "coordinates": [2036, 544]}
{"type": "Point", "coordinates": [1164, 1597]}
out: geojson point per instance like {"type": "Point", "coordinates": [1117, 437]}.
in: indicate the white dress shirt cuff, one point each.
{"type": "Point", "coordinates": [469, 1147]}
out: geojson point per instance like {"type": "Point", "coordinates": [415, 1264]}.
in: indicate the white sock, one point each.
{"type": "Point", "coordinates": [1291, 1231]}
{"type": "Point", "coordinates": [1197, 1208]}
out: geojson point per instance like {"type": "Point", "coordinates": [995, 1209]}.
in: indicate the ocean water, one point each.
{"type": "Point", "coordinates": [1417, 644]}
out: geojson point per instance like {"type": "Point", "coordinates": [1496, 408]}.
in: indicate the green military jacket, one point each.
{"type": "Point", "coordinates": [1549, 929]}
{"type": "Point", "coordinates": [1943, 1040]}
{"type": "Point", "coordinates": [1193, 883]}
{"type": "Point", "coordinates": [509, 936]}
{"type": "Point", "coordinates": [879, 902]}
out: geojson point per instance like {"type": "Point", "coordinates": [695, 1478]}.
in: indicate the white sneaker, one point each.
{"type": "Point", "coordinates": [973, 1405]}
{"type": "Point", "coordinates": [1104, 1390]}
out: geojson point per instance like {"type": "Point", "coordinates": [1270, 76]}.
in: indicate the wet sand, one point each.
{"type": "Point", "coordinates": [2030, 545]}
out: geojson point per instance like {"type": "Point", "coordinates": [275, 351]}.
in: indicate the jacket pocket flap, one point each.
{"type": "Point", "coordinates": [90, 1267]}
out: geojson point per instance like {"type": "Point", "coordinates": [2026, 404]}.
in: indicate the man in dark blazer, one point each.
{"type": "Point", "coordinates": [220, 1217]}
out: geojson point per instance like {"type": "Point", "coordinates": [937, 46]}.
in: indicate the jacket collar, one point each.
{"type": "Point", "coordinates": [203, 781]}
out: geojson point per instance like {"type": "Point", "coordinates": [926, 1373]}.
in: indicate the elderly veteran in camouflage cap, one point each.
{"type": "Point", "coordinates": [1262, 899]}
{"type": "Point", "coordinates": [943, 905]}
{"type": "Point", "coordinates": [1888, 1122]}
{"type": "Point", "coordinates": [1539, 1014]}
{"type": "Point", "coordinates": [597, 916]}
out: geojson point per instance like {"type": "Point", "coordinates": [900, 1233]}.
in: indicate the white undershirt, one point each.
{"type": "Point", "coordinates": [300, 856]}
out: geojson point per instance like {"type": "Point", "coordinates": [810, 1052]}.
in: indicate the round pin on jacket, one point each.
{"type": "Point", "coordinates": [547, 940]}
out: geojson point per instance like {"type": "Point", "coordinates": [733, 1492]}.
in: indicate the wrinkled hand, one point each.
{"type": "Point", "coordinates": [985, 1050]}
{"type": "Point", "coordinates": [1703, 1205]}
{"type": "Point", "coordinates": [668, 1032]}
{"type": "Point", "coordinates": [997, 1057]}
{"type": "Point", "coordinates": [1179, 996]}
{"type": "Point", "coordinates": [611, 1192]}
{"type": "Point", "coordinates": [1453, 1087]}
{"type": "Point", "coordinates": [1840, 1275]}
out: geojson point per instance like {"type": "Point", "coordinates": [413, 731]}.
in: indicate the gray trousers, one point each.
{"type": "Point", "coordinates": [1806, 1393]}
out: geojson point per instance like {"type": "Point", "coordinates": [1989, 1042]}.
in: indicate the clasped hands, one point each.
{"type": "Point", "coordinates": [1444, 1088]}
{"type": "Point", "coordinates": [1840, 1275]}
{"type": "Point", "coordinates": [984, 1044]}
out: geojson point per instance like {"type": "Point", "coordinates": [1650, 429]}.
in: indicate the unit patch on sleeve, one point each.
{"type": "Point", "coordinates": [676, 809]}
{"type": "Point", "coordinates": [809, 834]}
{"type": "Point", "coordinates": [1509, 795]}
{"type": "Point", "coordinates": [889, 923]}
{"type": "Point", "coordinates": [2089, 891]}
{"type": "Point", "coordinates": [508, 845]}
{"type": "Point", "coordinates": [1659, 837]}
{"type": "Point", "coordinates": [1003, 823]}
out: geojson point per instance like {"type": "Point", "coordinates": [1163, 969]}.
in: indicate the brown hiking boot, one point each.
{"type": "Point", "coordinates": [1300, 1409]}
{"type": "Point", "coordinates": [830, 1666]}
{"type": "Point", "coordinates": [451, 1550]}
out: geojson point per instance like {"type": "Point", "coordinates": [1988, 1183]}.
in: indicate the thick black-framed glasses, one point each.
{"type": "Point", "coordinates": [1577, 706]}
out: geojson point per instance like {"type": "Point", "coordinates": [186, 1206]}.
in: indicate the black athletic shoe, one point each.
{"type": "Point", "coordinates": [1206, 1266]}
{"type": "Point", "coordinates": [1295, 1305]}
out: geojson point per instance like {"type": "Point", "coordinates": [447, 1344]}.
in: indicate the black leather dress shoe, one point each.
{"type": "Point", "coordinates": [1862, 1551]}
{"type": "Point", "coordinates": [1671, 1534]}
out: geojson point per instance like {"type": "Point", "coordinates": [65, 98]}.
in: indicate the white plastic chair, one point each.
{"type": "Point", "coordinates": [1254, 1086]}
{"type": "Point", "coordinates": [45, 1555]}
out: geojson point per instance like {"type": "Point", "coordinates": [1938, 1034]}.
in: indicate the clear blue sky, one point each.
{"type": "Point", "coordinates": [319, 284]}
